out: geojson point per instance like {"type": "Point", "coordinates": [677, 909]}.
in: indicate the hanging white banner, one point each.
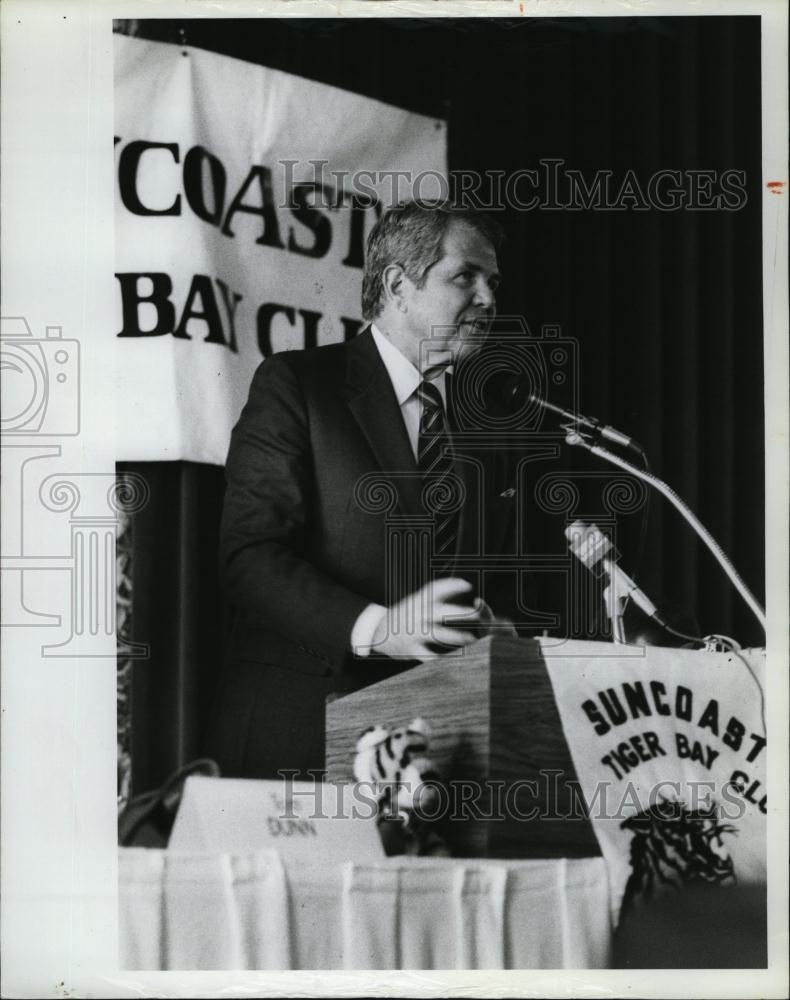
{"type": "Point", "coordinates": [669, 746]}
{"type": "Point", "coordinates": [244, 198]}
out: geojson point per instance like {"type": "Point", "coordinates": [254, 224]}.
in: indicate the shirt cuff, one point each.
{"type": "Point", "coordinates": [365, 628]}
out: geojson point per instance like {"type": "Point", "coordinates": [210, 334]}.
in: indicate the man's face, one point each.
{"type": "Point", "coordinates": [447, 319]}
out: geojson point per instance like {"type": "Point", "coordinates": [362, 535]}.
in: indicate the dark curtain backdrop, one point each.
{"type": "Point", "coordinates": [667, 306]}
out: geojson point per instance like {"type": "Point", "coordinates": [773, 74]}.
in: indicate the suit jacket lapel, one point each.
{"type": "Point", "coordinates": [373, 403]}
{"type": "Point", "coordinates": [467, 468]}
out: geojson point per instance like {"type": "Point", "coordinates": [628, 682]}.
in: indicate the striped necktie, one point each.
{"type": "Point", "coordinates": [435, 465]}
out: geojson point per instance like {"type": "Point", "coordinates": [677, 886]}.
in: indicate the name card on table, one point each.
{"type": "Point", "coordinates": [299, 819]}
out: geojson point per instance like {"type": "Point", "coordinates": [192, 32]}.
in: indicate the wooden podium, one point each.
{"type": "Point", "coordinates": [497, 741]}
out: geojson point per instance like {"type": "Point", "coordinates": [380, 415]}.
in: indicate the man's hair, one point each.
{"type": "Point", "coordinates": [411, 234]}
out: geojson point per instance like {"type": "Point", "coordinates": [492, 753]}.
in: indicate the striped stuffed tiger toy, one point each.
{"type": "Point", "coordinates": [404, 782]}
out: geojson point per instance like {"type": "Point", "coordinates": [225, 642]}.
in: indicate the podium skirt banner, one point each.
{"type": "Point", "coordinates": [669, 746]}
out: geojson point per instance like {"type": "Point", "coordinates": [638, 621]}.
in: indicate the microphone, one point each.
{"type": "Point", "coordinates": [592, 548]}
{"type": "Point", "coordinates": [514, 392]}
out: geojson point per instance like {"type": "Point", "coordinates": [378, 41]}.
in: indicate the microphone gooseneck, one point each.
{"type": "Point", "coordinates": [515, 392]}
{"type": "Point", "coordinates": [690, 517]}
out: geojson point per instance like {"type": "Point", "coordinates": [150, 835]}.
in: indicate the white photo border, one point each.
{"type": "Point", "coordinates": [59, 899]}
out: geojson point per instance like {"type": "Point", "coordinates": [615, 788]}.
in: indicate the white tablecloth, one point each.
{"type": "Point", "coordinates": [221, 911]}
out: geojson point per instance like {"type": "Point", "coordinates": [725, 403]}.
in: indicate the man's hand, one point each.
{"type": "Point", "coordinates": [493, 624]}
{"type": "Point", "coordinates": [414, 626]}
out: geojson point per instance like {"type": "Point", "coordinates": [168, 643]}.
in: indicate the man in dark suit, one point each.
{"type": "Point", "coordinates": [325, 520]}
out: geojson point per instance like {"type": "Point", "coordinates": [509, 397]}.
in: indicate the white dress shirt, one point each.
{"type": "Point", "coordinates": [405, 379]}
